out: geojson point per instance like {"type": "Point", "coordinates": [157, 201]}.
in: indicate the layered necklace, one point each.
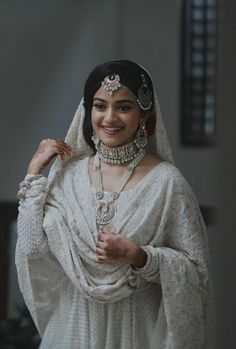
{"type": "Point", "coordinates": [105, 210]}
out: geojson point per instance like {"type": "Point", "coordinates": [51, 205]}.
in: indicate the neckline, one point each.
{"type": "Point", "coordinates": [138, 184]}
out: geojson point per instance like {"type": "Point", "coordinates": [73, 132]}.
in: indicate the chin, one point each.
{"type": "Point", "coordinates": [112, 143]}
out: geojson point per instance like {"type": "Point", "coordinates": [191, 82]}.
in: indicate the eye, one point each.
{"type": "Point", "coordinates": [99, 106]}
{"type": "Point", "coordinates": [124, 108]}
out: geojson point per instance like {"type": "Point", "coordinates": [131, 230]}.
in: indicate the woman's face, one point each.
{"type": "Point", "coordinates": [115, 118]}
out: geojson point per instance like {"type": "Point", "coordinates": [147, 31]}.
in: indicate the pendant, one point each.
{"type": "Point", "coordinates": [104, 212]}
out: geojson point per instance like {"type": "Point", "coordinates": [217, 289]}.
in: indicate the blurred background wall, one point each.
{"type": "Point", "coordinates": [49, 47]}
{"type": "Point", "coordinates": [47, 50]}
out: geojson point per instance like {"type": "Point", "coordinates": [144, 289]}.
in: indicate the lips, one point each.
{"type": "Point", "coordinates": [112, 130]}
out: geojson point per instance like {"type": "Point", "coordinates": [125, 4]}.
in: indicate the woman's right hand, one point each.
{"type": "Point", "coordinates": [47, 150]}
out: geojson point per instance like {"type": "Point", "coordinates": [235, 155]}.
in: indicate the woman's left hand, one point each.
{"type": "Point", "coordinates": [113, 247]}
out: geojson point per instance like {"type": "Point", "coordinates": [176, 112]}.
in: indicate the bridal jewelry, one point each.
{"type": "Point", "coordinates": [144, 95]}
{"type": "Point", "coordinates": [122, 153]}
{"type": "Point", "coordinates": [111, 83]}
{"type": "Point", "coordinates": [105, 211]}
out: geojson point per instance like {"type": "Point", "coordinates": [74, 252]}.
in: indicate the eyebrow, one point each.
{"type": "Point", "coordinates": [117, 102]}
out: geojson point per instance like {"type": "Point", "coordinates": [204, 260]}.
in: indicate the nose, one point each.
{"type": "Point", "coordinates": [110, 115]}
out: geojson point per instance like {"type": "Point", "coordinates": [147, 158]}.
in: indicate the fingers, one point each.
{"type": "Point", "coordinates": [105, 230]}
{"type": "Point", "coordinates": [100, 237]}
{"type": "Point", "coordinates": [102, 259]}
{"type": "Point", "coordinates": [63, 144]}
{"type": "Point", "coordinates": [101, 254]}
{"type": "Point", "coordinates": [105, 236]}
{"type": "Point", "coordinates": [101, 244]}
{"type": "Point", "coordinates": [57, 142]}
{"type": "Point", "coordinates": [60, 147]}
{"type": "Point", "coordinates": [46, 151]}
{"type": "Point", "coordinates": [101, 251]}
{"type": "Point", "coordinates": [63, 148]}
{"type": "Point", "coordinates": [105, 247]}
{"type": "Point", "coordinates": [100, 247]}
{"type": "Point", "coordinates": [108, 230]}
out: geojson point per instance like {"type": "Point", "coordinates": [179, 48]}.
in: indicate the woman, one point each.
{"type": "Point", "coordinates": [112, 249]}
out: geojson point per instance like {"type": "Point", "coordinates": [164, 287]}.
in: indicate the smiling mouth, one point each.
{"type": "Point", "coordinates": [112, 130]}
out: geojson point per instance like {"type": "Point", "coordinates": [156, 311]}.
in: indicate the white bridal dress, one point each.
{"type": "Point", "coordinates": [77, 302]}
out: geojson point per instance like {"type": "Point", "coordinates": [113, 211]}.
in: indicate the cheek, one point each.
{"type": "Point", "coordinates": [95, 119]}
{"type": "Point", "coordinates": [135, 122]}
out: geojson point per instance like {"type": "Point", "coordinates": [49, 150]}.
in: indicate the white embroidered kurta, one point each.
{"type": "Point", "coordinates": [78, 302]}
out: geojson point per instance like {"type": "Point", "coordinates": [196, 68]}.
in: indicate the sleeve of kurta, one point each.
{"type": "Point", "coordinates": [180, 265]}
{"type": "Point", "coordinates": [39, 274]}
{"type": "Point", "coordinates": [31, 238]}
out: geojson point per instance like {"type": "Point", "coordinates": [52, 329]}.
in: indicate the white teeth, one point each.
{"type": "Point", "coordinates": [112, 128]}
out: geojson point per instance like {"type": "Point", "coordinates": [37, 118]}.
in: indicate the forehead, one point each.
{"type": "Point", "coordinates": [123, 93]}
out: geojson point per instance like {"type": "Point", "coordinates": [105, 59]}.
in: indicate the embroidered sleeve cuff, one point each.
{"type": "Point", "coordinates": [150, 271]}
{"type": "Point", "coordinates": [32, 186]}
{"type": "Point", "coordinates": [31, 177]}
{"type": "Point", "coordinates": [146, 266]}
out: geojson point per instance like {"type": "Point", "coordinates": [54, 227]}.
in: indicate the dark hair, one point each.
{"type": "Point", "coordinates": [130, 76]}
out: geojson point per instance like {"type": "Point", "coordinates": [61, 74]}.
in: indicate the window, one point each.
{"type": "Point", "coordinates": [199, 53]}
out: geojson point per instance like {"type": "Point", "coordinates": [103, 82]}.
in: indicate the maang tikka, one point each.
{"type": "Point", "coordinates": [111, 83]}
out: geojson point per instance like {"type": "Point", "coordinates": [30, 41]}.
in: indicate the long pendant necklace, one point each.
{"type": "Point", "coordinates": [105, 210]}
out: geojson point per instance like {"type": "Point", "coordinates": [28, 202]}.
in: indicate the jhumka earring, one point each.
{"type": "Point", "coordinates": [95, 139]}
{"type": "Point", "coordinates": [141, 138]}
